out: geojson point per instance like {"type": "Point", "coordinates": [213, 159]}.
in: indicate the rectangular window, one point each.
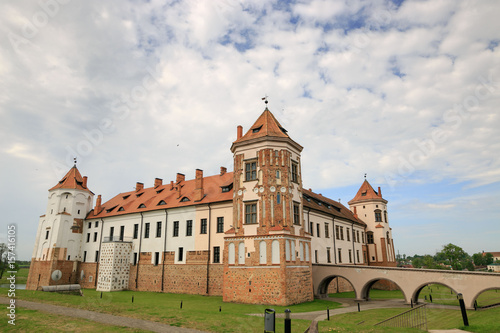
{"type": "Point", "coordinates": [295, 173]}
{"type": "Point", "coordinates": [357, 255]}
{"type": "Point", "coordinates": [337, 232]}
{"type": "Point", "coordinates": [350, 256]}
{"type": "Point", "coordinates": [251, 213]}
{"type": "Point", "coordinates": [189, 227]}
{"type": "Point", "coordinates": [176, 229]}
{"type": "Point", "coordinates": [111, 233]}
{"type": "Point", "coordinates": [216, 254]}
{"type": "Point", "coordinates": [96, 224]}
{"type": "Point", "coordinates": [96, 256]}
{"type": "Point", "coordinates": [135, 258]}
{"type": "Point", "coordinates": [158, 229]}
{"type": "Point", "coordinates": [341, 233]}
{"type": "Point", "coordinates": [362, 237]}
{"type": "Point", "coordinates": [88, 237]}
{"type": "Point", "coordinates": [136, 231]}
{"type": "Point", "coordinates": [90, 225]}
{"type": "Point", "coordinates": [296, 214]}
{"type": "Point", "coordinates": [378, 216]}
{"type": "Point", "coordinates": [340, 255]}
{"type": "Point", "coordinates": [357, 235]}
{"type": "Point", "coordinates": [203, 224]}
{"type": "Point", "coordinates": [220, 224]}
{"type": "Point", "coordinates": [146, 230]}
{"type": "Point", "coordinates": [84, 256]}
{"type": "Point", "coordinates": [328, 256]}
{"type": "Point", "coordinates": [347, 234]}
{"type": "Point", "coordinates": [180, 254]}
{"type": "Point", "coordinates": [316, 256]}
{"type": "Point", "coordinates": [369, 238]}
{"type": "Point", "coordinates": [157, 258]}
{"type": "Point", "coordinates": [317, 229]}
{"type": "Point", "coordinates": [95, 236]}
{"type": "Point", "coordinates": [251, 170]}
{"type": "Point", "coordinates": [122, 232]}
{"type": "Point", "coordinates": [311, 228]}
{"type": "Point", "coordinates": [327, 231]}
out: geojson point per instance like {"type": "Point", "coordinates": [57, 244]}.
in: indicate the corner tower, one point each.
{"type": "Point", "coordinates": [369, 205]}
{"type": "Point", "coordinates": [267, 251]}
{"type": "Point", "coordinates": [57, 246]}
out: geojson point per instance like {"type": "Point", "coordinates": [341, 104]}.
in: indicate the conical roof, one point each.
{"type": "Point", "coordinates": [72, 180]}
{"type": "Point", "coordinates": [366, 193]}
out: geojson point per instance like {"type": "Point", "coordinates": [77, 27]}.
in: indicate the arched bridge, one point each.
{"type": "Point", "coordinates": [410, 280]}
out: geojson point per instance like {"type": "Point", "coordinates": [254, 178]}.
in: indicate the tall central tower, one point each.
{"type": "Point", "coordinates": [267, 257]}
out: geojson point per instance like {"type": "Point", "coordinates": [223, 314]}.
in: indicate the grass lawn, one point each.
{"type": "Point", "coordinates": [483, 321]}
{"type": "Point", "coordinates": [21, 276]}
{"type": "Point", "coordinates": [200, 312]}
{"type": "Point", "coordinates": [35, 321]}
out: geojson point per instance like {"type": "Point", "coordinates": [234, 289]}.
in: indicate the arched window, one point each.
{"type": "Point", "coordinates": [293, 250]}
{"type": "Point", "coordinates": [307, 252]}
{"type": "Point", "coordinates": [387, 238]}
{"type": "Point", "coordinates": [369, 237]}
{"type": "Point", "coordinates": [287, 250]}
{"type": "Point", "coordinates": [262, 253]}
{"type": "Point", "coordinates": [231, 257]}
{"type": "Point", "coordinates": [378, 215]}
{"type": "Point", "coordinates": [301, 251]}
{"type": "Point", "coordinates": [275, 252]}
{"type": "Point", "coordinates": [241, 253]}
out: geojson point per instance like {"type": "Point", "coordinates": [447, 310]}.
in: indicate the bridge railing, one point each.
{"type": "Point", "coordinates": [413, 318]}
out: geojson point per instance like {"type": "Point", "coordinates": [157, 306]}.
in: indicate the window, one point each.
{"type": "Point", "coordinates": [88, 237]}
{"type": "Point", "coordinates": [328, 255]}
{"type": "Point", "coordinates": [161, 203]}
{"type": "Point", "coordinates": [216, 254]}
{"type": "Point", "coordinates": [157, 258]}
{"type": "Point", "coordinates": [135, 258]}
{"type": "Point", "coordinates": [277, 174]}
{"type": "Point", "coordinates": [180, 254]}
{"type": "Point", "coordinates": [337, 232]}
{"type": "Point", "coordinates": [96, 256]}
{"type": "Point", "coordinates": [357, 255]}
{"type": "Point", "coordinates": [142, 206]}
{"type": "Point", "coordinates": [251, 213]}
{"type": "Point", "coordinates": [122, 232]}
{"type": "Point", "coordinates": [327, 231]}
{"type": "Point", "coordinates": [220, 224]}
{"type": "Point", "coordinates": [185, 199]}
{"type": "Point", "coordinates": [78, 212]}
{"type": "Point", "coordinates": [311, 228]}
{"type": "Point", "coordinates": [111, 233]}
{"type": "Point", "coordinates": [295, 174]}
{"type": "Point", "coordinates": [347, 230]}
{"type": "Point", "coordinates": [341, 233]}
{"type": "Point", "coordinates": [136, 231]}
{"type": "Point", "coordinates": [189, 227]}
{"type": "Point", "coordinates": [369, 237]}
{"type": "Point", "coordinates": [278, 198]}
{"type": "Point", "coordinates": [90, 225]}
{"type": "Point", "coordinates": [296, 214]}
{"type": "Point", "coordinates": [357, 235]}
{"type": "Point", "coordinates": [317, 229]}
{"type": "Point", "coordinates": [251, 171]}
{"type": "Point", "coordinates": [339, 252]}
{"type": "Point", "coordinates": [362, 237]}
{"type": "Point", "coordinates": [47, 234]}
{"type": "Point", "coordinates": [84, 256]}
{"type": "Point", "coordinates": [350, 256]}
{"type": "Point", "coordinates": [95, 236]}
{"type": "Point", "coordinates": [176, 229]}
{"type": "Point", "coordinates": [146, 230]}
{"type": "Point", "coordinates": [96, 224]}
{"type": "Point", "coordinates": [203, 224]}
{"type": "Point", "coordinates": [158, 229]}
{"type": "Point", "coordinates": [378, 216]}
{"type": "Point", "coordinates": [385, 216]}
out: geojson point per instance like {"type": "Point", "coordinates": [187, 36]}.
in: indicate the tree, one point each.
{"type": "Point", "coordinates": [428, 262]}
{"type": "Point", "coordinates": [454, 254]}
{"type": "Point", "coordinates": [488, 258]}
{"type": "Point", "coordinates": [3, 258]}
{"type": "Point", "coordinates": [479, 259]}
{"type": "Point", "coordinates": [417, 262]}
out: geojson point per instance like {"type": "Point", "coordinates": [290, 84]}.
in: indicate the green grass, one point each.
{"type": "Point", "coordinates": [36, 321]}
{"type": "Point", "coordinates": [437, 319]}
{"type": "Point", "coordinates": [21, 276]}
{"type": "Point", "coordinates": [200, 312]}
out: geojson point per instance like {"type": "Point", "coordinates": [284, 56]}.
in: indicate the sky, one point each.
{"type": "Point", "coordinates": [406, 92]}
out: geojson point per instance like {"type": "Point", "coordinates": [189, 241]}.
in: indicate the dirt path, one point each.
{"type": "Point", "coordinates": [99, 317]}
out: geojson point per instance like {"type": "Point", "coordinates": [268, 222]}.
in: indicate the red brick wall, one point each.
{"type": "Point", "coordinates": [40, 273]}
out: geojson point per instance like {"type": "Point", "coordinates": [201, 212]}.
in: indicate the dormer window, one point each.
{"type": "Point", "coordinates": [159, 191]}
{"type": "Point", "coordinates": [227, 188]}
{"type": "Point", "coordinates": [126, 196]}
{"type": "Point", "coordinates": [142, 206]}
{"type": "Point", "coordinates": [363, 194]}
{"type": "Point", "coordinates": [110, 209]}
{"type": "Point", "coordinates": [161, 203]}
{"type": "Point", "coordinates": [121, 209]}
{"type": "Point", "coordinates": [139, 194]}
{"type": "Point", "coordinates": [283, 130]}
{"type": "Point", "coordinates": [256, 129]}
{"type": "Point", "coordinates": [184, 199]}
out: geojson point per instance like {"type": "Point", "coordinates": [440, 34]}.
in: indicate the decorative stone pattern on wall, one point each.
{"type": "Point", "coordinates": [114, 266]}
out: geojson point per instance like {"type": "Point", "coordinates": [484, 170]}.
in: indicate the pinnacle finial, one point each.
{"type": "Point", "coordinates": [265, 99]}
{"type": "Point", "coordinates": [74, 160]}
{"type": "Point", "coordinates": [365, 176]}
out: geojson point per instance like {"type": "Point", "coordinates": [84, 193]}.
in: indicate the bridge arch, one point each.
{"type": "Point", "coordinates": [475, 297]}
{"type": "Point", "coordinates": [322, 290]}
{"type": "Point", "coordinates": [365, 291]}
{"type": "Point", "coordinates": [419, 289]}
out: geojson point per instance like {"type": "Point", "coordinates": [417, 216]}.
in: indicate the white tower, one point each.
{"type": "Point", "coordinates": [57, 246]}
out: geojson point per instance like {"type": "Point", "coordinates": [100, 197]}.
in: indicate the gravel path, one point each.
{"type": "Point", "coordinates": [99, 317]}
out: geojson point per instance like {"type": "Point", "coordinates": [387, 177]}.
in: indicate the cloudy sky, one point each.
{"type": "Point", "coordinates": [404, 91]}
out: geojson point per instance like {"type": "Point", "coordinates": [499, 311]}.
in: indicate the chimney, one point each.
{"type": "Point", "coordinates": [171, 185]}
{"type": "Point", "coordinates": [84, 181]}
{"type": "Point", "coordinates": [97, 208]}
{"type": "Point", "coordinates": [379, 192]}
{"type": "Point", "coordinates": [223, 171]}
{"type": "Point", "coordinates": [158, 182]}
{"type": "Point", "coordinates": [180, 178]}
{"type": "Point", "coordinates": [178, 187]}
{"type": "Point", "coordinates": [355, 212]}
{"type": "Point", "coordinates": [240, 132]}
{"type": "Point", "coordinates": [139, 186]}
{"type": "Point", "coordinates": [198, 191]}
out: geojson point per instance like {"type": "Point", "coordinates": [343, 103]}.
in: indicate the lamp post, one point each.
{"type": "Point", "coordinates": [462, 307]}
{"type": "Point", "coordinates": [288, 321]}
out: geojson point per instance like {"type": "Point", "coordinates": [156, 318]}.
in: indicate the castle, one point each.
{"type": "Point", "coordinates": [251, 235]}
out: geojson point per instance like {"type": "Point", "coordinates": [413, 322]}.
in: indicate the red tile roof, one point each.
{"type": "Point", "coordinates": [149, 199]}
{"type": "Point", "coordinates": [366, 193]}
{"type": "Point", "coordinates": [321, 203]}
{"type": "Point", "coordinates": [72, 180]}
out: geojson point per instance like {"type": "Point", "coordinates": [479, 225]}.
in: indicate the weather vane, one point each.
{"type": "Point", "coordinates": [265, 99]}
{"type": "Point", "coordinates": [365, 175]}
{"type": "Point", "coordinates": [74, 160]}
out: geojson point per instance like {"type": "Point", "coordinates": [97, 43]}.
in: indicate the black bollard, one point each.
{"type": "Point", "coordinates": [288, 321]}
{"type": "Point", "coordinates": [462, 308]}
{"type": "Point", "coordinates": [430, 298]}
{"type": "Point", "coordinates": [220, 308]}
{"type": "Point", "coordinates": [101, 294]}
{"type": "Point", "coordinates": [181, 304]}
{"type": "Point", "coordinates": [359, 309]}
{"type": "Point", "coordinates": [132, 299]}
{"type": "Point", "coordinates": [328, 313]}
